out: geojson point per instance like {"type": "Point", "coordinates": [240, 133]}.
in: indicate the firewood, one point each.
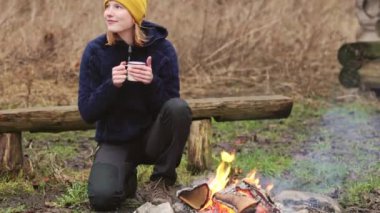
{"type": "Point", "coordinates": [196, 197]}
{"type": "Point", "coordinates": [239, 203]}
{"type": "Point", "coordinates": [265, 200]}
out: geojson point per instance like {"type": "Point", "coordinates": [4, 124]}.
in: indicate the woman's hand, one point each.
{"type": "Point", "coordinates": [119, 74]}
{"type": "Point", "coordinates": [142, 73]}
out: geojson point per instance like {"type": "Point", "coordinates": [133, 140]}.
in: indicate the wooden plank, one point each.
{"type": "Point", "coordinates": [65, 118]}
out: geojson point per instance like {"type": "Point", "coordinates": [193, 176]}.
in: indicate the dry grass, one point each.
{"type": "Point", "coordinates": [225, 47]}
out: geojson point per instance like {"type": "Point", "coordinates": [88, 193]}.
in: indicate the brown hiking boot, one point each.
{"type": "Point", "coordinates": [158, 192]}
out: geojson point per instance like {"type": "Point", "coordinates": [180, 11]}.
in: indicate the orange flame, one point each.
{"type": "Point", "coordinates": [222, 173]}
{"type": "Point", "coordinates": [251, 179]}
{"type": "Point", "coordinates": [221, 180]}
{"type": "Point", "coordinates": [269, 188]}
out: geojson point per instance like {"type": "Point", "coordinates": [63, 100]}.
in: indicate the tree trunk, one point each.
{"type": "Point", "coordinates": [65, 118]}
{"type": "Point", "coordinates": [11, 157]}
{"type": "Point", "coordinates": [199, 155]}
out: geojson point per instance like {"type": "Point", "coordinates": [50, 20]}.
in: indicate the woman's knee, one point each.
{"type": "Point", "coordinates": [105, 203]}
{"type": "Point", "coordinates": [104, 191]}
{"type": "Point", "coordinates": [177, 107]}
{"type": "Point", "coordinates": [105, 199]}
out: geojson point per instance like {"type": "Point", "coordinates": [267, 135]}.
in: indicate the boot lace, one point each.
{"type": "Point", "coordinates": [159, 191]}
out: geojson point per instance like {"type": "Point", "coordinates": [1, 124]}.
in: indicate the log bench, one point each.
{"type": "Point", "coordinates": [67, 118]}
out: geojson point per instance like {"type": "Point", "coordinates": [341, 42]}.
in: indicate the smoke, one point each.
{"type": "Point", "coordinates": [343, 148]}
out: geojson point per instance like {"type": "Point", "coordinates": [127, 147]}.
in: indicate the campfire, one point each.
{"type": "Point", "coordinates": [221, 195]}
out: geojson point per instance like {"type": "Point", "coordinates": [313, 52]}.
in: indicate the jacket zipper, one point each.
{"type": "Point", "coordinates": [129, 53]}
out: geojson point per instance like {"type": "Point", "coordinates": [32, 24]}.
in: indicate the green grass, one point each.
{"type": "Point", "coordinates": [272, 130]}
{"type": "Point", "coordinates": [12, 187]}
{"type": "Point", "coordinates": [21, 208]}
{"type": "Point", "coordinates": [75, 196]}
{"type": "Point", "coordinates": [319, 177]}
{"type": "Point", "coordinates": [226, 131]}
{"type": "Point", "coordinates": [266, 163]}
{"type": "Point", "coordinates": [68, 136]}
{"type": "Point", "coordinates": [49, 152]}
{"type": "Point", "coordinates": [356, 193]}
{"type": "Point", "coordinates": [63, 151]}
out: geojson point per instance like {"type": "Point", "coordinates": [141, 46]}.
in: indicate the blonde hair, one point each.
{"type": "Point", "coordinates": [139, 37]}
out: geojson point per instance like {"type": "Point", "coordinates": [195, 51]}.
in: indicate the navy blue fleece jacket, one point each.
{"type": "Point", "coordinates": [122, 114]}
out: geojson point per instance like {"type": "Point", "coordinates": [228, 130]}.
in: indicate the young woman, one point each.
{"type": "Point", "coordinates": [137, 122]}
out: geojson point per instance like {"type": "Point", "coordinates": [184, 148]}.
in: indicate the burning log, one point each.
{"type": "Point", "coordinates": [196, 197]}
{"type": "Point", "coordinates": [246, 197]}
{"type": "Point", "coordinates": [266, 202]}
{"type": "Point", "coordinates": [239, 203]}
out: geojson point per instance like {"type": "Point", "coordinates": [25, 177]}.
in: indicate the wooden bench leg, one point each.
{"type": "Point", "coordinates": [11, 156]}
{"type": "Point", "coordinates": [199, 155]}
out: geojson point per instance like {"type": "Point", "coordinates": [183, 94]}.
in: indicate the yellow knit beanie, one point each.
{"type": "Point", "coordinates": [137, 8]}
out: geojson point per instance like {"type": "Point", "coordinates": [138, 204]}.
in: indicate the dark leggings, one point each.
{"type": "Point", "coordinates": [113, 173]}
